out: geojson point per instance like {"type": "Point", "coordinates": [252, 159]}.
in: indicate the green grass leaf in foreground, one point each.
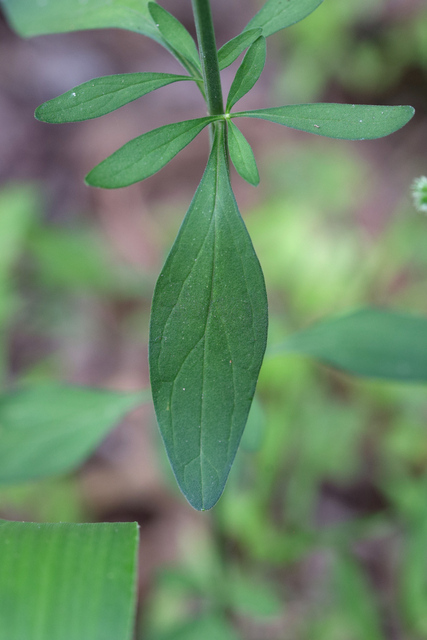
{"type": "Point", "coordinates": [248, 72]}
{"type": "Point", "coordinates": [279, 14]}
{"type": "Point", "coordinates": [232, 49]}
{"type": "Point", "coordinates": [35, 18]}
{"type": "Point", "coordinates": [345, 121]}
{"type": "Point", "coordinates": [145, 155]}
{"type": "Point", "coordinates": [50, 429]}
{"type": "Point", "coordinates": [241, 155]}
{"type": "Point", "coordinates": [103, 95]}
{"type": "Point", "coordinates": [207, 336]}
{"type": "Point", "coordinates": [368, 342]}
{"type": "Point", "coordinates": [67, 581]}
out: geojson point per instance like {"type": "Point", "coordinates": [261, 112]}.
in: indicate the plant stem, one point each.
{"type": "Point", "coordinates": [208, 56]}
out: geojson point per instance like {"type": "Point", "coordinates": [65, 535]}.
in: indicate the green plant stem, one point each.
{"type": "Point", "coordinates": [208, 56]}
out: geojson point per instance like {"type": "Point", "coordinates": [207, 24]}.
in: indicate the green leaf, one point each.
{"type": "Point", "coordinates": [368, 342]}
{"type": "Point", "coordinates": [176, 35]}
{"type": "Point", "coordinates": [102, 95]}
{"type": "Point", "coordinates": [145, 155]}
{"type": "Point", "coordinates": [50, 429]}
{"type": "Point", "coordinates": [242, 155]}
{"type": "Point", "coordinates": [279, 14]}
{"type": "Point", "coordinates": [208, 627]}
{"type": "Point", "coordinates": [248, 72]}
{"type": "Point", "coordinates": [67, 581]}
{"type": "Point", "coordinates": [207, 336]}
{"type": "Point", "coordinates": [232, 49]}
{"type": "Point", "coordinates": [345, 121]}
{"type": "Point", "coordinates": [34, 18]}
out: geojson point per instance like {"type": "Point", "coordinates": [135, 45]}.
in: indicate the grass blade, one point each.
{"type": "Point", "coordinates": [345, 121]}
{"type": "Point", "coordinates": [103, 95]}
{"type": "Point", "coordinates": [207, 336]}
{"type": "Point", "coordinates": [248, 72]}
{"type": "Point", "coordinates": [277, 14]}
{"type": "Point", "coordinates": [145, 155]}
{"type": "Point", "coordinates": [368, 342]}
{"type": "Point", "coordinates": [232, 49]}
{"type": "Point", "coordinates": [51, 429]}
{"type": "Point", "coordinates": [67, 581]}
{"type": "Point", "coordinates": [241, 155]}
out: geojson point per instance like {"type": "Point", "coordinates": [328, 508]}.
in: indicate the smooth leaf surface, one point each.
{"type": "Point", "coordinates": [345, 121]}
{"type": "Point", "coordinates": [232, 49]}
{"type": "Point", "coordinates": [50, 429]}
{"type": "Point", "coordinates": [369, 342]}
{"type": "Point", "coordinates": [207, 336]}
{"type": "Point", "coordinates": [242, 155]}
{"type": "Point", "coordinates": [279, 14]}
{"type": "Point", "coordinates": [67, 581]}
{"type": "Point", "coordinates": [145, 155]}
{"type": "Point", "coordinates": [248, 72]}
{"type": "Point", "coordinates": [102, 95]}
{"type": "Point", "coordinates": [175, 34]}
{"type": "Point", "coordinates": [40, 17]}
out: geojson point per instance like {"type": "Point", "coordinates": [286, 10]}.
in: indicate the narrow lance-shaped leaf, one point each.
{"type": "Point", "coordinates": [175, 34]}
{"type": "Point", "coordinates": [241, 155]}
{"type": "Point", "coordinates": [207, 336]}
{"type": "Point", "coordinates": [51, 429]}
{"type": "Point", "coordinates": [103, 95]}
{"type": "Point", "coordinates": [345, 121]}
{"type": "Point", "coordinates": [145, 155]}
{"type": "Point", "coordinates": [232, 49]}
{"type": "Point", "coordinates": [279, 14]}
{"type": "Point", "coordinates": [368, 342]}
{"type": "Point", "coordinates": [248, 72]}
{"type": "Point", "coordinates": [34, 18]}
{"type": "Point", "coordinates": [67, 581]}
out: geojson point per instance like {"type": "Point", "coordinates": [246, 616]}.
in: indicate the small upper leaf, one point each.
{"type": "Point", "coordinates": [232, 49]}
{"type": "Point", "coordinates": [102, 95]}
{"type": "Point", "coordinates": [278, 14]}
{"type": "Point", "coordinates": [32, 18]}
{"type": "Point", "coordinates": [175, 34]}
{"type": "Point", "coordinates": [248, 72]}
{"type": "Point", "coordinates": [368, 342]}
{"type": "Point", "coordinates": [345, 121]}
{"type": "Point", "coordinates": [145, 155]}
{"type": "Point", "coordinates": [242, 155]}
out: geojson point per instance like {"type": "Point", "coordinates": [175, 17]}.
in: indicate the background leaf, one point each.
{"type": "Point", "coordinates": [232, 49]}
{"type": "Point", "coordinates": [145, 155]}
{"type": "Point", "coordinates": [103, 95]}
{"type": "Point", "coordinates": [67, 581]}
{"type": "Point", "coordinates": [50, 429]}
{"type": "Point", "coordinates": [278, 14]}
{"type": "Point", "coordinates": [345, 121]}
{"type": "Point", "coordinates": [242, 155]}
{"type": "Point", "coordinates": [369, 342]}
{"type": "Point", "coordinates": [207, 336]}
{"type": "Point", "coordinates": [32, 18]}
{"type": "Point", "coordinates": [248, 72]}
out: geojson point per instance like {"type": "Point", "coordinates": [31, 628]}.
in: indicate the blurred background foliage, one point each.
{"type": "Point", "coordinates": [322, 531]}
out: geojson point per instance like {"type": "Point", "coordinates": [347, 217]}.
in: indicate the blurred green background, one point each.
{"type": "Point", "coordinates": [322, 531]}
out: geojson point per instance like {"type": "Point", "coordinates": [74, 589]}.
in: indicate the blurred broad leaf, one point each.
{"type": "Point", "coordinates": [103, 95]}
{"type": "Point", "coordinates": [209, 627]}
{"type": "Point", "coordinates": [279, 14]}
{"type": "Point", "coordinates": [207, 336]}
{"type": "Point", "coordinates": [176, 35]}
{"type": "Point", "coordinates": [248, 72]}
{"type": "Point", "coordinates": [40, 17]}
{"type": "Point", "coordinates": [241, 155]}
{"type": "Point", "coordinates": [50, 429]}
{"type": "Point", "coordinates": [67, 581]}
{"type": "Point", "coordinates": [345, 121]}
{"type": "Point", "coordinates": [232, 49]}
{"type": "Point", "coordinates": [145, 155]}
{"type": "Point", "coordinates": [368, 342]}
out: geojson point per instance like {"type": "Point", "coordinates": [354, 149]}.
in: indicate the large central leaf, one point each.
{"type": "Point", "coordinates": [39, 17]}
{"type": "Point", "coordinates": [207, 337]}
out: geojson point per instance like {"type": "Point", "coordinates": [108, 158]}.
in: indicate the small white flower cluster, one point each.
{"type": "Point", "coordinates": [419, 194]}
